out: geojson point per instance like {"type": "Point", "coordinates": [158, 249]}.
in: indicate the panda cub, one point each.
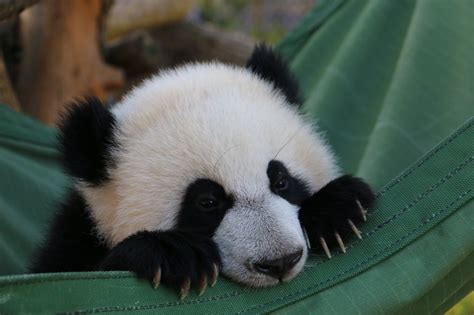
{"type": "Point", "coordinates": [201, 169]}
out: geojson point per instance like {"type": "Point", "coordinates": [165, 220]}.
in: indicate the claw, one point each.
{"type": "Point", "coordinates": [340, 242]}
{"type": "Point", "coordinates": [363, 212]}
{"type": "Point", "coordinates": [214, 275]}
{"type": "Point", "coordinates": [202, 285]}
{"type": "Point", "coordinates": [157, 278]}
{"type": "Point", "coordinates": [325, 247]}
{"type": "Point", "coordinates": [183, 293]}
{"type": "Point", "coordinates": [354, 229]}
{"type": "Point", "coordinates": [306, 238]}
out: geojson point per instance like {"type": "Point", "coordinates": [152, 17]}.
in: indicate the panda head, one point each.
{"type": "Point", "coordinates": [208, 147]}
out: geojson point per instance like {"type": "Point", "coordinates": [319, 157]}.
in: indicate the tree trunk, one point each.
{"type": "Point", "coordinates": [126, 16]}
{"type": "Point", "coordinates": [144, 52]}
{"type": "Point", "coordinates": [61, 57]}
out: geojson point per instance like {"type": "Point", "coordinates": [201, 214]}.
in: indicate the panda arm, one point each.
{"type": "Point", "coordinates": [333, 212]}
{"type": "Point", "coordinates": [178, 258]}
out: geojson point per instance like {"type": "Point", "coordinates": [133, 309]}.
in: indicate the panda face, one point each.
{"type": "Point", "coordinates": [257, 233]}
{"type": "Point", "coordinates": [260, 238]}
{"type": "Point", "coordinates": [217, 149]}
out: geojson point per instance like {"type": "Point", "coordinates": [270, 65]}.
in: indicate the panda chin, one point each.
{"type": "Point", "coordinates": [251, 279]}
{"type": "Point", "coordinates": [255, 280]}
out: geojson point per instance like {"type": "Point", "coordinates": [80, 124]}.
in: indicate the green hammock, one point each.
{"type": "Point", "coordinates": [391, 84]}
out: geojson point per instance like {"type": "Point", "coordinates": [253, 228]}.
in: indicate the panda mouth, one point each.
{"type": "Point", "coordinates": [278, 269]}
{"type": "Point", "coordinates": [262, 272]}
{"type": "Point", "coordinates": [247, 274]}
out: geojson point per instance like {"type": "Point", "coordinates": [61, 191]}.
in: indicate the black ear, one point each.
{"type": "Point", "coordinates": [86, 140]}
{"type": "Point", "coordinates": [272, 68]}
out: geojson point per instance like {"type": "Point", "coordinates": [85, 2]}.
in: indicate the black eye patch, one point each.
{"type": "Point", "coordinates": [283, 184]}
{"type": "Point", "coordinates": [204, 205]}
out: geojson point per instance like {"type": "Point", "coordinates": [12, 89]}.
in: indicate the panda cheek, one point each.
{"type": "Point", "coordinates": [226, 239]}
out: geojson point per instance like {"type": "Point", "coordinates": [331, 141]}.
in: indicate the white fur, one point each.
{"type": "Point", "coordinates": [259, 230]}
{"type": "Point", "coordinates": [218, 122]}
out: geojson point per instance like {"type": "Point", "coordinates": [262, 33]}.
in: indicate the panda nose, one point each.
{"type": "Point", "coordinates": [278, 268]}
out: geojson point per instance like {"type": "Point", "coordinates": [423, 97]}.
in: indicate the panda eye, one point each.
{"type": "Point", "coordinates": [282, 184]}
{"type": "Point", "coordinates": [207, 204]}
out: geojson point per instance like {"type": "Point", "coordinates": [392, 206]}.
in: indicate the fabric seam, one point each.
{"type": "Point", "coordinates": [170, 304]}
{"type": "Point", "coordinates": [434, 215]}
{"type": "Point", "coordinates": [410, 205]}
{"type": "Point", "coordinates": [418, 198]}
{"type": "Point", "coordinates": [424, 159]}
{"type": "Point", "coordinates": [237, 293]}
{"type": "Point", "coordinates": [154, 306]}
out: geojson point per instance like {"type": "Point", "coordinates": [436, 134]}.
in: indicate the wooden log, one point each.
{"type": "Point", "coordinates": [61, 57]}
{"type": "Point", "coordinates": [126, 16]}
{"type": "Point", "coordinates": [190, 41]}
{"type": "Point", "coordinates": [147, 51]}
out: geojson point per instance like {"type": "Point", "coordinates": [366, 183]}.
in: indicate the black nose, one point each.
{"type": "Point", "coordinates": [278, 268]}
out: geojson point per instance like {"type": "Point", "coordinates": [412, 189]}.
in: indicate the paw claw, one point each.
{"type": "Point", "coordinates": [363, 211]}
{"type": "Point", "coordinates": [214, 275]}
{"type": "Point", "coordinates": [183, 293]}
{"type": "Point", "coordinates": [202, 285]}
{"type": "Point", "coordinates": [340, 242]}
{"type": "Point", "coordinates": [306, 238]}
{"type": "Point", "coordinates": [325, 247]}
{"type": "Point", "coordinates": [157, 279]}
{"type": "Point", "coordinates": [354, 229]}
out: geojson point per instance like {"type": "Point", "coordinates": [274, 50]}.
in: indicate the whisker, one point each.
{"type": "Point", "coordinates": [287, 142]}
{"type": "Point", "coordinates": [222, 155]}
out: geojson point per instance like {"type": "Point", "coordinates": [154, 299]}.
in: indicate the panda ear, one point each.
{"type": "Point", "coordinates": [271, 67]}
{"type": "Point", "coordinates": [86, 141]}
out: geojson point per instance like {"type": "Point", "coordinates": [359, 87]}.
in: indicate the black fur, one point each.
{"type": "Point", "coordinates": [272, 68]}
{"type": "Point", "coordinates": [87, 140]}
{"type": "Point", "coordinates": [295, 192]}
{"type": "Point", "coordinates": [179, 254]}
{"type": "Point", "coordinates": [193, 216]}
{"type": "Point", "coordinates": [328, 210]}
{"type": "Point", "coordinates": [71, 244]}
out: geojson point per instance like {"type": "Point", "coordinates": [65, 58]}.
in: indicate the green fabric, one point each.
{"type": "Point", "coordinates": [386, 81]}
{"type": "Point", "coordinates": [423, 272]}
{"type": "Point", "coordinates": [30, 184]}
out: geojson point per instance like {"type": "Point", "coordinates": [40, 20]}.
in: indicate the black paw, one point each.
{"type": "Point", "coordinates": [332, 213]}
{"type": "Point", "coordinates": [178, 259]}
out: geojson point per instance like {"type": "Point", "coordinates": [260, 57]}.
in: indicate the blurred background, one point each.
{"type": "Point", "coordinates": [54, 51]}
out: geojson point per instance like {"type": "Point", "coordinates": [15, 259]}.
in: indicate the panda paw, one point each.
{"type": "Point", "coordinates": [179, 259]}
{"type": "Point", "coordinates": [332, 213]}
